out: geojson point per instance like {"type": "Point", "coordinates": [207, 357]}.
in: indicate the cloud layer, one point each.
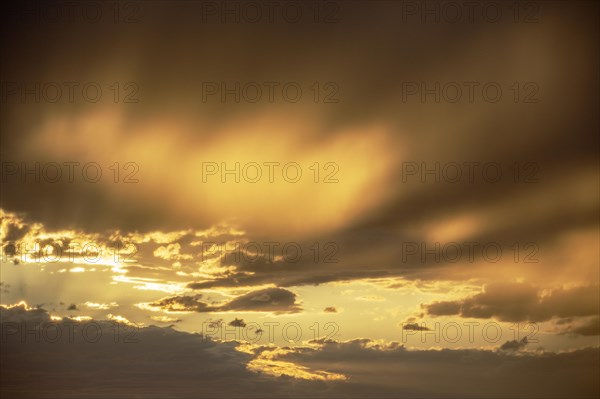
{"type": "Point", "coordinates": [153, 361]}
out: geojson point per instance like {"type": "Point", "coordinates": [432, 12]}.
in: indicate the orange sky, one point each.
{"type": "Point", "coordinates": [376, 217]}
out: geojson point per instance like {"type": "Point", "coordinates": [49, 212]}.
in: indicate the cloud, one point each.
{"type": "Point", "coordinates": [514, 345]}
{"type": "Point", "coordinates": [214, 324]}
{"type": "Point", "coordinates": [166, 319]}
{"type": "Point", "coordinates": [592, 327]}
{"type": "Point", "coordinates": [124, 361]}
{"type": "Point", "coordinates": [171, 252]}
{"type": "Point", "coordinates": [165, 362]}
{"type": "Point", "coordinates": [504, 211]}
{"type": "Point", "coordinates": [21, 312]}
{"type": "Point", "coordinates": [370, 133]}
{"type": "Point", "coordinates": [414, 327]}
{"type": "Point", "coordinates": [515, 302]}
{"type": "Point", "coordinates": [589, 326]}
{"type": "Point", "coordinates": [101, 306]}
{"type": "Point", "coordinates": [379, 248]}
{"type": "Point", "coordinates": [444, 308]}
{"type": "Point", "coordinates": [237, 323]}
{"type": "Point", "coordinates": [182, 303]}
{"type": "Point", "coordinates": [391, 370]}
{"type": "Point", "coordinates": [276, 300]}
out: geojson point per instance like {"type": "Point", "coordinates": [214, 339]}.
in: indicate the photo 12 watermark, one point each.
{"type": "Point", "coordinates": [68, 172]}
{"type": "Point", "coordinates": [63, 12]}
{"type": "Point", "coordinates": [269, 12]}
{"type": "Point", "coordinates": [469, 252]}
{"type": "Point", "coordinates": [269, 92]}
{"type": "Point", "coordinates": [68, 332]}
{"type": "Point", "coordinates": [271, 251]}
{"type": "Point", "coordinates": [469, 92]}
{"type": "Point", "coordinates": [71, 92]}
{"type": "Point", "coordinates": [267, 331]}
{"type": "Point", "coordinates": [68, 251]}
{"type": "Point", "coordinates": [470, 172]}
{"type": "Point", "coordinates": [468, 11]}
{"type": "Point", "coordinates": [454, 332]}
{"type": "Point", "coordinates": [270, 172]}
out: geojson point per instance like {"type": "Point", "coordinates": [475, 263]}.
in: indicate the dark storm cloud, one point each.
{"type": "Point", "coordinates": [277, 300]}
{"type": "Point", "coordinates": [457, 373]}
{"type": "Point", "coordinates": [592, 327]}
{"type": "Point", "coordinates": [165, 362]}
{"type": "Point", "coordinates": [514, 345]}
{"type": "Point", "coordinates": [589, 326]}
{"type": "Point", "coordinates": [148, 361]}
{"type": "Point", "coordinates": [371, 252]}
{"type": "Point", "coordinates": [513, 302]}
{"type": "Point", "coordinates": [446, 308]}
{"type": "Point", "coordinates": [368, 53]}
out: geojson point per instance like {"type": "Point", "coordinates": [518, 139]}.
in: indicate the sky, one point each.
{"type": "Point", "coordinates": [290, 199]}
